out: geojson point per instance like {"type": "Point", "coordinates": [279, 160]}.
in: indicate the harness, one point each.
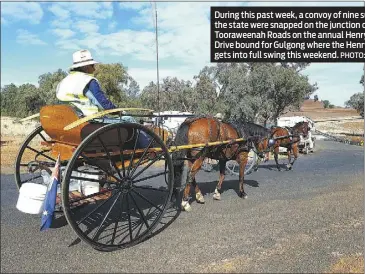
{"type": "Point", "coordinates": [291, 135]}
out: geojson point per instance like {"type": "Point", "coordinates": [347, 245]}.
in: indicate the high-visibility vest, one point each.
{"type": "Point", "coordinates": [71, 90]}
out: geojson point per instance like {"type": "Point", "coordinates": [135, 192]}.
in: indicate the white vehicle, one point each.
{"type": "Point", "coordinates": [290, 121]}
{"type": "Point", "coordinates": [171, 123]}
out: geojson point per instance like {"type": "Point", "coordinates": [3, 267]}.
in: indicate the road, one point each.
{"type": "Point", "coordinates": [304, 220]}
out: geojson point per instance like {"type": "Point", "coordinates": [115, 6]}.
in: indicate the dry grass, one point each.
{"type": "Point", "coordinates": [316, 111]}
{"type": "Point", "coordinates": [349, 264]}
{"type": "Point", "coordinates": [10, 127]}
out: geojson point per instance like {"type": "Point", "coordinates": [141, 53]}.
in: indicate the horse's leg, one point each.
{"type": "Point", "coordinates": [194, 170]}
{"type": "Point", "coordinates": [276, 153]}
{"type": "Point", "coordinates": [289, 149]}
{"type": "Point", "coordinates": [185, 199]}
{"type": "Point", "coordinates": [195, 167]}
{"type": "Point", "coordinates": [295, 153]}
{"type": "Point", "coordinates": [242, 161]}
{"type": "Point", "coordinates": [222, 170]}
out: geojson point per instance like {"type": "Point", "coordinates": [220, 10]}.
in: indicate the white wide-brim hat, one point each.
{"type": "Point", "coordinates": [82, 58]}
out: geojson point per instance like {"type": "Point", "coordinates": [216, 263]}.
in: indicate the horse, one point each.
{"type": "Point", "coordinates": [287, 137]}
{"type": "Point", "coordinates": [209, 129]}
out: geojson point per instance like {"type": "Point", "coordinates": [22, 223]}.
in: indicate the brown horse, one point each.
{"type": "Point", "coordinates": [288, 137]}
{"type": "Point", "coordinates": [209, 129]}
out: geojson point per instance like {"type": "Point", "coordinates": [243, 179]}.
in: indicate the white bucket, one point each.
{"type": "Point", "coordinates": [31, 198]}
{"type": "Point", "coordinates": [89, 188]}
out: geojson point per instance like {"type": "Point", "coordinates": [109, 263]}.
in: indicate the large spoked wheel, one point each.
{"type": "Point", "coordinates": [34, 159]}
{"type": "Point", "coordinates": [233, 168]}
{"type": "Point", "coordinates": [117, 186]}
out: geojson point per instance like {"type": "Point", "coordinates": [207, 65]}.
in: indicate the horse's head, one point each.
{"type": "Point", "coordinates": [301, 128]}
{"type": "Point", "coordinates": [260, 137]}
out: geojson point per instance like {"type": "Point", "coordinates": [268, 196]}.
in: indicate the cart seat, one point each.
{"type": "Point", "coordinates": [55, 117]}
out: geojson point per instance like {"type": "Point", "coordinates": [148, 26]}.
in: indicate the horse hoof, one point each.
{"type": "Point", "coordinates": [216, 196]}
{"type": "Point", "coordinates": [186, 206]}
{"type": "Point", "coordinates": [243, 195]}
{"type": "Point", "coordinates": [200, 198]}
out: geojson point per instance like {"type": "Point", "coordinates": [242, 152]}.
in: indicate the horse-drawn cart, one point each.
{"type": "Point", "coordinates": [304, 145]}
{"type": "Point", "coordinates": [117, 179]}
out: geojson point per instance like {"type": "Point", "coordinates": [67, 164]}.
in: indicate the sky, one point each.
{"type": "Point", "coordinates": [40, 37]}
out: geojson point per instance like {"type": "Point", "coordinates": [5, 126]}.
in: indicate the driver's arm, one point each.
{"type": "Point", "coordinates": [97, 96]}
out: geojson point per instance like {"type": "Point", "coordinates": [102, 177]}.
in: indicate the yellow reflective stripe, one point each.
{"type": "Point", "coordinates": [72, 97]}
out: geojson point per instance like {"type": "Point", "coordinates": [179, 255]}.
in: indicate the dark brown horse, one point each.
{"type": "Point", "coordinates": [287, 137]}
{"type": "Point", "coordinates": [209, 129]}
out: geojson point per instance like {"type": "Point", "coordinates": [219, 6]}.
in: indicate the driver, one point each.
{"type": "Point", "coordinates": [82, 90]}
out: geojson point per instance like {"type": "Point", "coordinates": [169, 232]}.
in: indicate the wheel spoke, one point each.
{"type": "Point", "coordinates": [94, 163]}
{"type": "Point", "coordinates": [110, 159]}
{"type": "Point", "coordinates": [147, 166]}
{"type": "Point", "coordinates": [147, 200]}
{"type": "Point", "coordinates": [140, 212]}
{"type": "Point", "coordinates": [134, 151]}
{"type": "Point", "coordinates": [150, 177]}
{"type": "Point", "coordinates": [30, 179]}
{"type": "Point", "coordinates": [121, 151]}
{"type": "Point", "coordinates": [140, 159]}
{"type": "Point", "coordinates": [85, 179]}
{"type": "Point", "coordinates": [106, 215]}
{"type": "Point", "coordinates": [95, 209]}
{"type": "Point", "coordinates": [151, 188]}
{"type": "Point", "coordinates": [129, 219]}
{"type": "Point", "coordinates": [44, 139]}
{"type": "Point", "coordinates": [41, 153]}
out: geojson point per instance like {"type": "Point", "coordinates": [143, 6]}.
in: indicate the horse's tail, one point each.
{"type": "Point", "coordinates": [181, 138]}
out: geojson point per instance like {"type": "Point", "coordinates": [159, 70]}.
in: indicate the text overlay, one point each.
{"type": "Point", "coordinates": [287, 34]}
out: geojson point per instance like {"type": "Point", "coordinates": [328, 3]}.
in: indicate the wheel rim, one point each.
{"type": "Point", "coordinates": [32, 158]}
{"type": "Point", "coordinates": [132, 200]}
{"type": "Point", "coordinates": [234, 168]}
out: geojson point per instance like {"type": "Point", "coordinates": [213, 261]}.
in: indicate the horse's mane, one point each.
{"type": "Point", "coordinates": [248, 129]}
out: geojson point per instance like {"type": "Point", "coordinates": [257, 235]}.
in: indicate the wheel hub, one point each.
{"type": "Point", "coordinates": [126, 185]}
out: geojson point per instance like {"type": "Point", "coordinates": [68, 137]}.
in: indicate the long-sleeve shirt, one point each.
{"type": "Point", "coordinates": [97, 96]}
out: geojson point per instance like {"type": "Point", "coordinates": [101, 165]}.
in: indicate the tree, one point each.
{"type": "Point", "coordinates": [207, 94]}
{"type": "Point", "coordinates": [356, 101]}
{"type": "Point", "coordinates": [8, 99]}
{"type": "Point", "coordinates": [48, 84]}
{"type": "Point", "coordinates": [132, 90]}
{"type": "Point", "coordinates": [326, 103]}
{"type": "Point", "coordinates": [113, 78]}
{"type": "Point", "coordinates": [20, 101]}
{"type": "Point", "coordinates": [174, 94]}
{"type": "Point", "coordinates": [290, 87]}
{"type": "Point", "coordinates": [259, 91]}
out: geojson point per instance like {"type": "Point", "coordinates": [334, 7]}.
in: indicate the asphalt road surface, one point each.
{"type": "Point", "coordinates": [302, 220]}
